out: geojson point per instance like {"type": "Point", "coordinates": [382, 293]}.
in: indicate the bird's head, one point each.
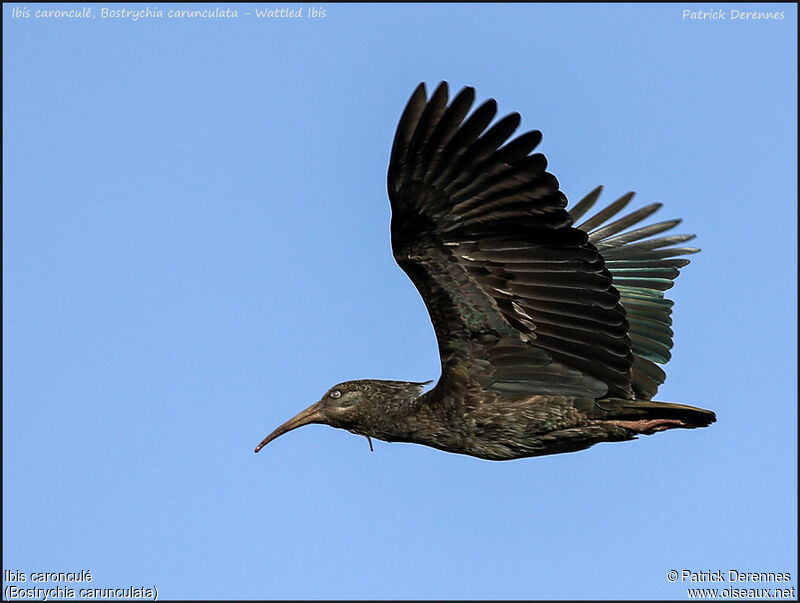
{"type": "Point", "coordinates": [353, 405]}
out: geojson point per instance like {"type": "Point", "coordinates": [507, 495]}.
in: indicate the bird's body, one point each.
{"type": "Point", "coordinates": [467, 419]}
{"type": "Point", "coordinates": [549, 334]}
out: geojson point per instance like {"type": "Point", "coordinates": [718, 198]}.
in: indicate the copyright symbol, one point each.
{"type": "Point", "coordinates": [672, 575]}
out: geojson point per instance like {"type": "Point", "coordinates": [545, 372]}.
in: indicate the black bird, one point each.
{"type": "Point", "coordinates": [549, 333]}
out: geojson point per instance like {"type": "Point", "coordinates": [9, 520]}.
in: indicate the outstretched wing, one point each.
{"type": "Point", "coordinates": [520, 300]}
{"type": "Point", "coordinates": [642, 268]}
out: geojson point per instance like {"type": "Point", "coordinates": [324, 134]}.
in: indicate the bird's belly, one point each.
{"type": "Point", "coordinates": [528, 427]}
{"type": "Point", "coordinates": [503, 448]}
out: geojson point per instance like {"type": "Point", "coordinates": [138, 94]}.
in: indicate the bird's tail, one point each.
{"type": "Point", "coordinates": [648, 416]}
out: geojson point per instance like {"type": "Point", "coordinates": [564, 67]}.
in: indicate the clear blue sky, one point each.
{"type": "Point", "coordinates": [196, 246]}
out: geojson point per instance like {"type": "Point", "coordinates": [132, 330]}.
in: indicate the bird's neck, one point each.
{"type": "Point", "coordinates": [408, 418]}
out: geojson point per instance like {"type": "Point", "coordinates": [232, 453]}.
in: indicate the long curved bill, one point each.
{"type": "Point", "coordinates": [312, 414]}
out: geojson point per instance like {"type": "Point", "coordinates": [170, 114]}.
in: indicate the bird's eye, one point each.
{"type": "Point", "coordinates": [336, 394]}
